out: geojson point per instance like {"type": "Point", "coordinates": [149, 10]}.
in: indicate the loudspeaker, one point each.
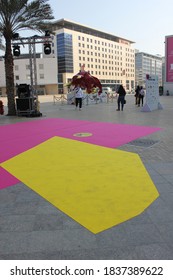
{"type": "Point", "coordinates": [24, 104]}
{"type": "Point", "coordinates": [23, 91]}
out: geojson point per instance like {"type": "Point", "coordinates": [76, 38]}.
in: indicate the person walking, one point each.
{"type": "Point", "coordinates": [78, 97]}
{"type": "Point", "coordinates": [141, 97]}
{"type": "Point", "coordinates": [137, 91]}
{"type": "Point", "coordinates": [121, 97]}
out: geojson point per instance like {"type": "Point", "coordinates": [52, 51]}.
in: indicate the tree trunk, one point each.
{"type": "Point", "coordinates": [9, 79]}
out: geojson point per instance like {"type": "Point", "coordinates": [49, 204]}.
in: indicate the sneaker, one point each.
{"type": "Point", "coordinates": [80, 109]}
{"type": "Point", "coordinates": [117, 109]}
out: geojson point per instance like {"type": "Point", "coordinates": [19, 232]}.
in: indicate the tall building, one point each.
{"type": "Point", "coordinates": [147, 64]}
{"type": "Point", "coordinates": [168, 78]}
{"type": "Point", "coordinates": [108, 57]}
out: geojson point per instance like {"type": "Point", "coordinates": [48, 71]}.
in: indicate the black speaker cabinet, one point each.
{"type": "Point", "coordinates": [24, 104]}
{"type": "Point", "coordinates": [23, 91]}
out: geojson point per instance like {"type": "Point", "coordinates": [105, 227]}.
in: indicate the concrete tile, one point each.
{"type": "Point", "coordinates": [69, 223]}
{"type": "Point", "coordinates": [45, 241]}
{"type": "Point", "coordinates": [164, 188]}
{"type": "Point", "coordinates": [167, 197]}
{"type": "Point", "coordinates": [27, 195]}
{"type": "Point", "coordinates": [168, 178]}
{"type": "Point", "coordinates": [143, 235]}
{"type": "Point", "coordinates": [19, 223]}
{"type": "Point", "coordinates": [78, 239]}
{"type": "Point", "coordinates": [143, 218]}
{"type": "Point", "coordinates": [19, 208]}
{"type": "Point", "coordinates": [32, 256]}
{"type": "Point", "coordinates": [47, 222]}
{"type": "Point", "coordinates": [166, 230]}
{"type": "Point", "coordinates": [45, 208]}
{"type": "Point", "coordinates": [157, 251]}
{"type": "Point", "coordinates": [116, 236]}
{"type": "Point", "coordinates": [163, 168]}
{"type": "Point", "coordinates": [12, 242]}
{"type": "Point", "coordinates": [158, 179]}
{"type": "Point", "coordinates": [110, 253]}
{"type": "Point", "coordinates": [159, 212]}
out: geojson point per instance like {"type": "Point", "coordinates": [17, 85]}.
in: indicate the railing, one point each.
{"type": "Point", "coordinates": [60, 97]}
{"type": "Point", "coordinates": [87, 98]}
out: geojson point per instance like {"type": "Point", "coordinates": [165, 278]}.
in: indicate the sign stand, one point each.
{"type": "Point", "coordinates": [152, 94]}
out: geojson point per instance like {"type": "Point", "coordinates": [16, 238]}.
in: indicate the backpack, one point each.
{"type": "Point", "coordinates": [142, 93]}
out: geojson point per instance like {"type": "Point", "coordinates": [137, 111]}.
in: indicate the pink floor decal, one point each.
{"type": "Point", "coordinates": [17, 138]}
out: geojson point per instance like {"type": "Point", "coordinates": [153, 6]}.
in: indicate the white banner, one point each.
{"type": "Point", "coordinates": [152, 94]}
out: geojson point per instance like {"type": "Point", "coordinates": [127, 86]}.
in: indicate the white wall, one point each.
{"type": "Point", "coordinates": [49, 71]}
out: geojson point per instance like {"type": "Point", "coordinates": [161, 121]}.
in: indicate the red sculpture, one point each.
{"type": "Point", "coordinates": [85, 80]}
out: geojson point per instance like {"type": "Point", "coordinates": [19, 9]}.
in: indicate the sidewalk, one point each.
{"type": "Point", "coordinates": [32, 228]}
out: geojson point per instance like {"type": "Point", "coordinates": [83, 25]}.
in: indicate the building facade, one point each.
{"type": "Point", "coordinates": [168, 77]}
{"type": "Point", "coordinates": [46, 73]}
{"type": "Point", "coordinates": [108, 57]}
{"type": "Point", "coordinates": [147, 64]}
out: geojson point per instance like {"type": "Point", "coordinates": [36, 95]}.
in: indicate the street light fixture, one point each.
{"type": "Point", "coordinates": [16, 50]}
{"type": "Point", "coordinates": [47, 48]}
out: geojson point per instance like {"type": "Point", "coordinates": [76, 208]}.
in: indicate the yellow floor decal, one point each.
{"type": "Point", "coordinates": [96, 186]}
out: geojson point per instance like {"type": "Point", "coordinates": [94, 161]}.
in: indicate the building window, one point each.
{"type": "Point", "coordinates": [27, 67]}
{"type": "Point", "coordinates": [41, 76]}
{"type": "Point", "coordinates": [65, 53]}
{"type": "Point", "coordinates": [17, 78]}
{"type": "Point", "coordinates": [16, 67]}
{"type": "Point", "coordinates": [41, 66]}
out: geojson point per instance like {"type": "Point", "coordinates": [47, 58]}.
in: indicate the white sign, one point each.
{"type": "Point", "coordinates": [152, 94]}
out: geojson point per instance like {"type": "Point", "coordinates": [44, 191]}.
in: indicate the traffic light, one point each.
{"type": "Point", "coordinates": [16, 50]}
{"type": "Point", "coordinates": [47, 48]}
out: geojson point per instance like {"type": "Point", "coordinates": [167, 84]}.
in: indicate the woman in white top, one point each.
{"type": "Point", "coordinates": [78, 97]}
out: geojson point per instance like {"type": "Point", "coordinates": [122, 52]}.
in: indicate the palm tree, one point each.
{"type": "Point", "coordinates": [16, 15]}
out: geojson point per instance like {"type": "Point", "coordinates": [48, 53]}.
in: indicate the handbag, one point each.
{"type": "Point", "coordinates": [125, 101]}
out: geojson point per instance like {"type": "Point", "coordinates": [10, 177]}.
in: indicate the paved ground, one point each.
{"type": "Point", "coordinates": [31, 228]}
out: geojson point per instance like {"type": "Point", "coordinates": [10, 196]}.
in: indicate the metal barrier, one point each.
{"type": "Point", "coordinates": [87, 98]}
{"type": "Point", "coordinates": [111, 97]}
{"type": "Point", "coordinates": [60, 97]}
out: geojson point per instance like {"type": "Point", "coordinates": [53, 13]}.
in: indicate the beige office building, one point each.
{"type": "Point", "coordinates": [108, 57]}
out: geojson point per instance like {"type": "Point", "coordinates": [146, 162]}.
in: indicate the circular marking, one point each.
{"type": "Point", "coordinates": [82, 134]}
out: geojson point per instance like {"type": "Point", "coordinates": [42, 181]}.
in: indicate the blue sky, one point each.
{"type": "Point", "coordinates": [144, 22]}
